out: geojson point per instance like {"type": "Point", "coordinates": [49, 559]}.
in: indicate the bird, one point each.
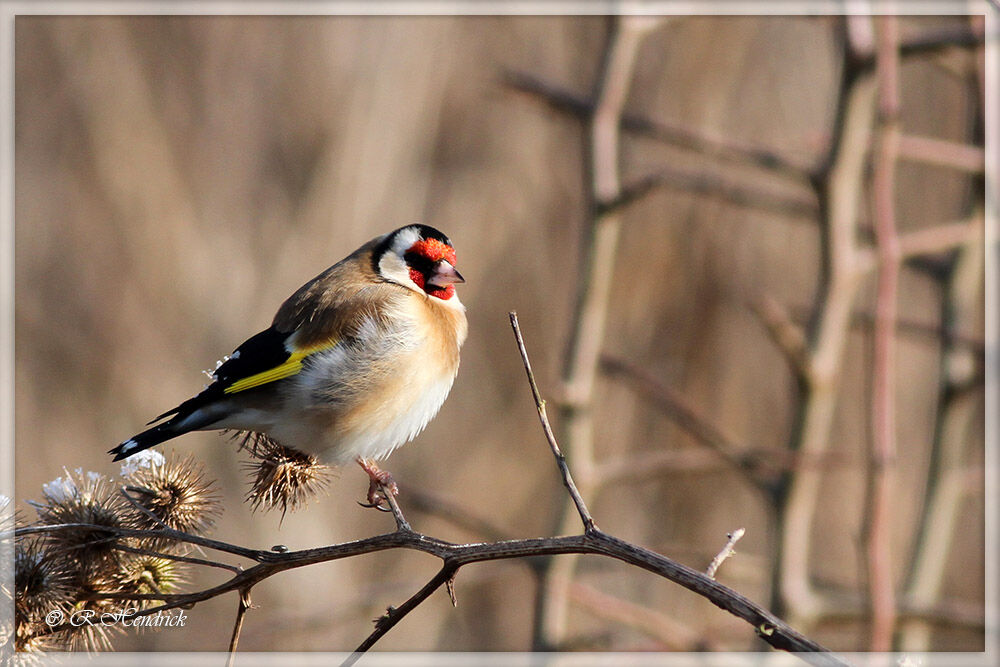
{"type": "Point", "coordinates": [355, 363]}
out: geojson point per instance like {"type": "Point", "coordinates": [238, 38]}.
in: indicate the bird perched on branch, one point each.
{"type": "Point", "coordinates": [354, 364]}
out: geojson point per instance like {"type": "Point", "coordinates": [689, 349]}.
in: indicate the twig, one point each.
{"type": "Point", "coordinates": [178, 557]}
{"type": "Point", "coordinates": [397, 514]}
{"type": "Point", "coordinates": [394, 615]}
{"type": "Point", "coordinates": [726, 552]}
{"type": "Point", "coordinates": [567, 478]}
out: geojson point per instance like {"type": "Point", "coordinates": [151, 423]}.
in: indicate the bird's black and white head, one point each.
{"type": "Point", "coordinates": [419, 257]}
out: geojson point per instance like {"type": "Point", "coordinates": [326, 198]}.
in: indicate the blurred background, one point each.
{"type": "Point", "coordinates": [178, 177]}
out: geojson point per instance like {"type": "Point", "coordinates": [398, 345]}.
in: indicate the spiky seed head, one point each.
{"type": "Point", "coordinates": [83, 498]}
{"type": "Point", "coordinates": [43, 582]}
{"type": "Point", "coordinates": [176, 493]}
{"type": "Point", "coordinates": [147, 575]}
{"type": "Point", "coordinates": [282, 477]}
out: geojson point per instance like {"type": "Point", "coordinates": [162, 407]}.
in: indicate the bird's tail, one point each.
{"type": "Point", "coordinates": [188, 416]}
{"type": "Point", "coordinates": [148, 438]}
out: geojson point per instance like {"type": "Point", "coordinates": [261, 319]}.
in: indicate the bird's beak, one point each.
{"type": "Point", "coordinates": [445, 274]}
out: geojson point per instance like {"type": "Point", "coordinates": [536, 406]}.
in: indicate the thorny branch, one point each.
{"type": "Point", "coordinates": [593, 541]}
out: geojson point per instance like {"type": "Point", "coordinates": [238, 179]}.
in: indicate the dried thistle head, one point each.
{"type": "Point", "coordinates": [43, 583]}
{"type": "Point", "coordinates": [176, 493]}
{"type": "Point", "coordinates": [281, 476]}
{"type": "Point", "coordinates": [83, 498]}
{"type": "Point", "coordinates": [147, 574]}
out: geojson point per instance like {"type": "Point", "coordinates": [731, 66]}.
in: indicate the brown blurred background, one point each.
{"type": "Point", "coordinates": [177, 177]}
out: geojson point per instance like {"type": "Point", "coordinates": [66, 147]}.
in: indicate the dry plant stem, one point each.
{"type": "Point", "coordinates": [567, 478]}
{"type": "Point", "coordinates": [587, 329]}
{"type": "Point", "coordinates": [879, 512]}
{"type": "Point", "coordinates": [843, 266]}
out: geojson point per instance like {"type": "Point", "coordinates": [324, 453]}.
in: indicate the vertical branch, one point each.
{"type": "Point", "coordinates": [947, 483]}
{"type": "Point", "coordinates": [587, 332]}
{"type": "Point", "coordinates": [947, 487]}
{"type": "Point", "coordinates": [883, 414]}
{"type": "Point", "coordinates": [844, 263]}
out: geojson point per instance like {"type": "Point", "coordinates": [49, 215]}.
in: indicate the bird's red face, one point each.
{"type": "Point", "coordinates": [432, 267]}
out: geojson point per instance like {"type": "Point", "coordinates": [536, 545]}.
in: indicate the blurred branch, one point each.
{"type": "Point", "coordinates": [673, 635]}
{"type": "Point", "coordinates": [740, 457]}
{"type": "Point", "coordinates": [838, 186]}
{"type": "Point", "coordinates": [725, 150]}
{"type": "Point", "coordinates": [711, 185]}
{"type": "Point", "coordinates": [942, 153]}
{"type": "Point", "coordinates": [878, 520]}
{"type": "Point", "coordinates": [926, 331]}
{"type": "Point", "coordinates": [424, 501]}
{"type": "Point", "coordinates": [586, 334]}
{"type": "Point", "coordinates": [939, 238]}
{"type": "Point", "coordinates": [947, 483]}
{"type": "Point", "coordinates": [786, 334]}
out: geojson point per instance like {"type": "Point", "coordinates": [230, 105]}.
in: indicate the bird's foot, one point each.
{"type": "Point", "coordinates": [381, 482]}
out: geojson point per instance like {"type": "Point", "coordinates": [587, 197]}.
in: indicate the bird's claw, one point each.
{"type": "Point", "coordinates": [380, 486]}
{"type": "Point", "coordinates": [377, 506]}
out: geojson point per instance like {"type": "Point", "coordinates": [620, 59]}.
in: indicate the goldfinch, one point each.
{"type": "Point", "coordinates": [354, 364]}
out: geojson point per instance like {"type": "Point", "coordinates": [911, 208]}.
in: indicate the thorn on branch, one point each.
{"type": "Point", "coordinates": [450, 586]}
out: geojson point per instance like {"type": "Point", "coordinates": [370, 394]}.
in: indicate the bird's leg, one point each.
{"type": "Point", "coordinates": [381, 481]}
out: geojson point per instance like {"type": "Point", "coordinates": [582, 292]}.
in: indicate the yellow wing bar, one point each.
{"type": "Point", "coordinates": [290, 367]}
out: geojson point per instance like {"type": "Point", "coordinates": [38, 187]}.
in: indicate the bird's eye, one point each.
{"type": "Point", "coordinates": [417, 261]}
